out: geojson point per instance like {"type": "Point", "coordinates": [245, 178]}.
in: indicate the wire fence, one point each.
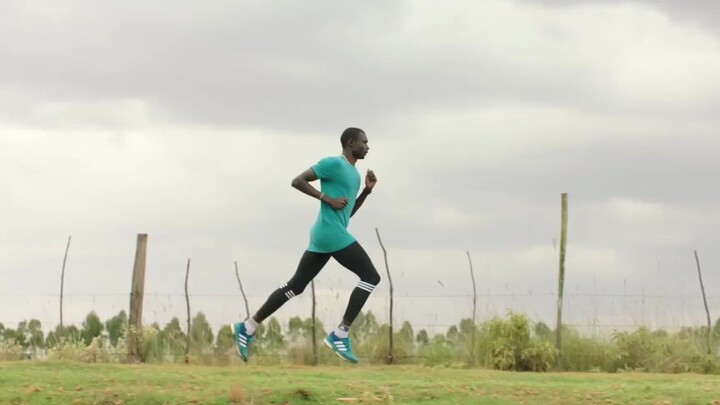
{"type": "Point", "coordinates": [591, 314]}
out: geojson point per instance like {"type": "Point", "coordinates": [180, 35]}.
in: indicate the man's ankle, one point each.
{"type": "Point", "coordinates": [251, 325]}
{"type": "Point", "coordinates": [342, 331]}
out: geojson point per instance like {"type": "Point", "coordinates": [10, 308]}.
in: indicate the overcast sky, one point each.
{"type": "Point", "coordinates": [188, 123]}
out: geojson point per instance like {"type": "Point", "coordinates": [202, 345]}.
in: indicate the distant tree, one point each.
{"type": "Point", "coordinates": [364, 327]}
{"type": "Point", "coordinates": [453, 334]}
{"type": "Point", "coordinates": [300, 330]}
{"type": "Point", "coordinates": [151, 344]}
{"type": "Point", "coordinates": [36, 335]}
{"type": "Point", "coordinates": [225, 340]}
{"type": "Point", "coordinates": [116, 327]}
{"type": "Point", "coordinates": [422, 337]}
{"type": "Point", "coordinates": [11, 336]}
{"type": "Point", "coordinates": [201, 335]}
{"type": "Point", "coordinates": [296, 329]}
{"type": "Point", "coordinates": [69, 333]}
{"type": "Point", "coordinates": [542, 331]}
{"type": "Point", "coordinates": [406, 336]}
{"type": "Point", "coordinates": [273, 335]}
{"type": "Point", "coordinates": [92, 327]}
{"type": "Point", "coordinates": [173, 338]}
{"type": "Point", "coordinates": [259, 336]}
{"type": "Point", "coordinates": [439, 339]}
{"type": "Point", "coordinates": [22, 335]}
{"type": "Point", "coordinates": [307, 329]}
{"type": "Point", "coordinates": [52, 339]}
{"type": "Point", "coordinates": [466, 329]}
{"type": "Point", "coordinates": [370, 326]}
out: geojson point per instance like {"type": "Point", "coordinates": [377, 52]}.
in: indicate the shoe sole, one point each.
{"type": "Point", "coordinates": [336, 352]}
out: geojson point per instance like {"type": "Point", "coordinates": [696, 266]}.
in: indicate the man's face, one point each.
{"type": "Point", "coordinates": [359, 146]}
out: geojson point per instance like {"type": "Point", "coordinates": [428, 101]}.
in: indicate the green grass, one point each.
{"type": "Point", "coordinates": [76, 383]}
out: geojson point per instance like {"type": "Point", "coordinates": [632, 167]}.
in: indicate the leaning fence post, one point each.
{"type": "Point", "coordinates": [62, 284]}
{"type": "Point", "coordinates": [314, 333]}
{"type": "Point", "coordinates": [707, 310]}
{"type": "Point", "coordinates": [242, 291]}
{"type": "Point", "coordinates": [474, 316]}
{"type": "Point", "coordinates": [387, 270]}
{"type": "Point", "coordinates": [189, 328]}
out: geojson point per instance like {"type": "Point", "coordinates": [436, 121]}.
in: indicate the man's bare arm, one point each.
{"type": "Point", "coordinates": [370, 181]}
{"type": "Point", "coordinates": [302, 183]}
{"type": "Point", "coordinates": [360, 200]}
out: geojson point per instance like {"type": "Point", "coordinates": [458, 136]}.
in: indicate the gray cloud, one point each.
{"type": "Point", "coordinates": [705, 13]}
{"type": "Point", "coordinates": [229, 64]}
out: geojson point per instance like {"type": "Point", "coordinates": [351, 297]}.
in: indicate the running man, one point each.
{"type": "Point", "coordinates": [340, 183]}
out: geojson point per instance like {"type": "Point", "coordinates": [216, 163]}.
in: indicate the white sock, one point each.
{"type": "Point", "coordinates": [342, 331]}
{"type": "Point", "coordinates": [251, 325]}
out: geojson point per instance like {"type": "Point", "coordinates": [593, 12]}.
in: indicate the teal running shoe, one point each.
{"type": "Point", "coordinates": [242, 340]}
{"type": "Point", "coordinates": [341, 347]}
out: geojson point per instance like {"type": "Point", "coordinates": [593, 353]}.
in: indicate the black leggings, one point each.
{"type": "Point", "coordinates": [353, 257]}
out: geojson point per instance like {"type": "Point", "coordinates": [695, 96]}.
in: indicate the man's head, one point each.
{"type": "Point", "coordinates": [355, 141]}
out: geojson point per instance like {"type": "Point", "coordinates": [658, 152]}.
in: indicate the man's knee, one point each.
{"type": "Point", "coordinates": [369, 281]}
{"type": "Point", "coordinates": [293, 289]}
{"type": "Point", "coordinates": [373, 278]}
{"type": "Point", "coordinates": [298, 289]}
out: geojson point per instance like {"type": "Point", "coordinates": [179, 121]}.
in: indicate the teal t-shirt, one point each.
{"type": "Point", "coordinates": [338, 178]}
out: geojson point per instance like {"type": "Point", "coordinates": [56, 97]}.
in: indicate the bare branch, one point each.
{"type": "Point", "coordinates": [707, 310]}
{"type": "Point", "coordinates": [314, 333]}
{"type": "Point", "coordinates": [187, 301]}
{"type": "Point", "coordinates": [242, 291]}
{"type": "Point", "coordinates": [62, 281]}
{"type": "Point", "coordinates": [474, 316]}
{"type": "Point", "coordinates": [387, 269]}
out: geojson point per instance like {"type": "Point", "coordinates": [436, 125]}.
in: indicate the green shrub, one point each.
{"type": "Point", "coordinates": [511, 347]}
{"type": "Point", "coordinates": [503, 343]}
{"type": "Point", "coordinates": [438, 352]}
{"type": "Point", "coordinates": [73, 348]}
{"type": "Point", "coordinates": [660, 352]}
{"type": "Point", "coordinates": [582, 354]}
{"type": "Point", "coordinates": [10, 351]}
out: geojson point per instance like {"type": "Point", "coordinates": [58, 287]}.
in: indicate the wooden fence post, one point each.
{"type": "Point", "coordinates": [242, 291]}
{"type": "Point", "coordinates": [707, 310]}
{"type": "Point", "coordinates": [314, 333]}
{"type": "Point", "coordinates": [474, 317]}
{"type": "Point", "coordinates": [188, 339]}
{"type": "Point", "coordinates": [136, 299]}
{"type": "Point", "coordinates": [561, 278]}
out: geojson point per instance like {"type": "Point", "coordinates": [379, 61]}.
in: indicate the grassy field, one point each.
{"type": "Point", "coordinates": [73, 383]}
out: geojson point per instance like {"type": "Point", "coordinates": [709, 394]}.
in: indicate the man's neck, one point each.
{"type": "Point", "coordinates": [349, 157]}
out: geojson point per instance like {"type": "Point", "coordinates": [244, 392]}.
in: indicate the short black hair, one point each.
{"type": "Point", "coordinates": [350, 134]}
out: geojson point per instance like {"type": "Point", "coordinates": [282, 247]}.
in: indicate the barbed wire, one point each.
{"type": "Point", "coordinates": [487, 295]}
{"type": "Point", "coordinates": [643, 313]}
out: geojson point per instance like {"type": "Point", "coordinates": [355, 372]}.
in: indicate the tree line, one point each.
{"type": "Point", "coordinates": [512, 342]}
